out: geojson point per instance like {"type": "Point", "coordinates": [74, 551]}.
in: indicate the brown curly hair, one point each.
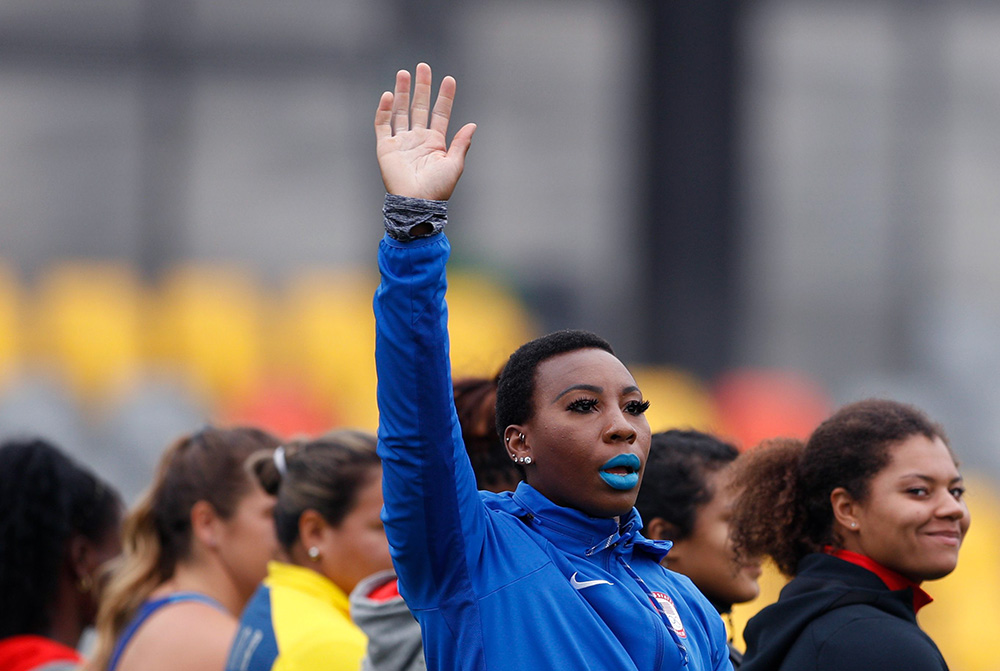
{"type": "Point", "coordinates": [783, 510]}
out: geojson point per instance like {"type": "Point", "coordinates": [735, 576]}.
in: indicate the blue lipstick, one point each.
{"type": "Point", "coordinates": [622, 481]}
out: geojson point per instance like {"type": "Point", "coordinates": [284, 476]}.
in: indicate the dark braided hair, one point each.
{"type": "Point", "coordinates": [45, 500]}
{"type": "Point", "coordinates": [516, 383]}
{"type": "Point", "coordinates": [674, 482]}
{"type": "Point", "coordinates": [784, 509]}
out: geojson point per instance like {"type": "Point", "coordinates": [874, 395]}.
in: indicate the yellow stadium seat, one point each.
{"type": "Point", "coordinates": [326, 335]}
{"type": "Point", "coordinates": [486, 323]}
{"type": "Point", "coordinates": [210, 328]}
{"type": "Point", "coordinates": [10, 325]}
{"type": "Point", "coordinates": [677, 400]}
{"type": "Point", "coordinates": [88, 321]}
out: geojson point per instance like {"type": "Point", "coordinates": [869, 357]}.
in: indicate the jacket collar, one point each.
{"type": "Point", "coordinates": [575, 530]}
{"type": "Point", "coordinates": [310, 582]}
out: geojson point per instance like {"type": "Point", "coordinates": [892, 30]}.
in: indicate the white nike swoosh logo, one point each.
{"type": "Point", "coordinates": [583, 584]}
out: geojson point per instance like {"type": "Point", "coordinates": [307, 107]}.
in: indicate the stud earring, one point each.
{"type": "Point", "coordinates": [521, 437]}
{"type": "Point", "coordinates": [85, 584]}
{"type": "Point", "coordinates": [527, 460]}
{"type": "Point", "coordinates": [314, 553]}
{"type": "Point", "coordinates": [854, 525]}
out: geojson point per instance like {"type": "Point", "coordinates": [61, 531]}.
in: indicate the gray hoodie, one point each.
{"type": "Point", "coordinates": [393, 635]}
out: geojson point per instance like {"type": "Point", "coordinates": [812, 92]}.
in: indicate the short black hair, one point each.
{"type": "Point", "coordinates": [674, 482]}
{"type": "Point", "coordinates": [516, 384]}
{"type": "Point", "coordinates": [45, 500]}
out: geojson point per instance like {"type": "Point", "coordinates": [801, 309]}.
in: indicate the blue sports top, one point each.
{"type": "Point", "coordinates": [147, 609]}
{"type": "Point", "coordinates": [505, 581]}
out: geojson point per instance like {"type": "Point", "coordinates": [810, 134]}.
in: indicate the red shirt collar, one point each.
{"type": "Point", "coordinates": [892, 580]}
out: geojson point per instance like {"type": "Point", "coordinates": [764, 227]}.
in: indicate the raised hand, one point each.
{"type": "Point", "coordinates": [414, 157]}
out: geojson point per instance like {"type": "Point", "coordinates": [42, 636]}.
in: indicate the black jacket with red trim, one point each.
{"type": "Point", "coordinates": [835, 615]}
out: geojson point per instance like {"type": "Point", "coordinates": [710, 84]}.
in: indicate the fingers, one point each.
{"type": "Point", "coordinates": [421, 97]}
{"type": "Point", "coordinates": [401, 103]}
{"type": "Point", "coordinates": [443, 105]}
{"type": "Point", "coordinates": [383, 117]}
{"type": "Point", "coordinates": [461, 142]}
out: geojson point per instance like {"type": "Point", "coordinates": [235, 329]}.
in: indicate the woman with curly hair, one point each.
{"type": "Point", "coordinates": [859, 516]}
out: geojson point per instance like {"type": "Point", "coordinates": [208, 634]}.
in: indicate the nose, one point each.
{"type": "Point", "coordinates": [951, 508]}
{"type": "Point", "coordinates": [619, 429]}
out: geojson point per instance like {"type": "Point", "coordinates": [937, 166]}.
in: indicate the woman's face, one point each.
{"type": "Point", "coordinates": [247, 540]}
{"type": "Point", "coordinates": [357, 547]}
{"type": "Point", "coordinates": [914, 518]}
{"type": "Point", "coordinates": [707, 555]}
{"type": "Point", "coordinates": [588, 438]}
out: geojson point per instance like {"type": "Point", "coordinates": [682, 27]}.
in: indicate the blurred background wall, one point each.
{"type": "Point", "coordinates": [770, 207]}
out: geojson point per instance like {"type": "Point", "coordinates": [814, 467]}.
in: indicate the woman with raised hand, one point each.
{"type": "Point", "coordinates": [59, 524]}
{"type": "Point", "coordinates": [394, 642]}
{"type": "Point", "coordinates": [687, 498]}
{"type": "Point", "coordinates": [554, 575]}
{"type": "Point", "coordinates": [195, 548]}
{"type": "Point", "coordinates": [329, 494]}
{"type": "Point", "coordinates": [859, 516]}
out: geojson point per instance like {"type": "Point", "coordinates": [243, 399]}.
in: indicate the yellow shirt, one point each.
{"type": "Point", "coordinates": [297, 621]}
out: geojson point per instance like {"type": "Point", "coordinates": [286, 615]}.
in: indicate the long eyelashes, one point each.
{"type": "Point", "coordinates": [585, 405]}
{"type": "Point", "coordinates": [582, 405]}
{"type": "Point", "coordinates": [637, 407]}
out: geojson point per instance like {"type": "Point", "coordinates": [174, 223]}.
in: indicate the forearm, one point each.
{"type": "Point", "coordinates": [430, 499]}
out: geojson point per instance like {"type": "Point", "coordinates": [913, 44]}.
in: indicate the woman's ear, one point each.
{"type": "Point", "coordinates": [659, 529]}
{"type": "Point", "coordinates": [844, 508]}
{"type": "Point", "coordinates": [312, 529]}
{"type": "Point", "coordinates": [205, 524]}
{"type": "Point", "coordinates": [516, 443]}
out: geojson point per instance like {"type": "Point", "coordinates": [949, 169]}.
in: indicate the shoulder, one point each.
{"type": "Point", "coordinates": [189, 635]}
{"type": "Point", "coordinates": [863, 637]}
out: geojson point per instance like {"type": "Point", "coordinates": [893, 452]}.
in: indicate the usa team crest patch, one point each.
{"type": "Point", "coordinates": [667, 604]}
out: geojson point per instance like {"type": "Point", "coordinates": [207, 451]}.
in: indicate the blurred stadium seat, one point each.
{"type": "Point", "coordinates": [756, 404]}
{"type": "Point", "coordinates": [42, 406]}
{"type": "Point", "coordinates": [138, 426]}
{"type": "Point", "coordinates": [677, 400]}
{"type": "Point", "coordinates": [87, 320]}
{"type": "Point", "coordinates": [327, 339]}
{"type": "Point", "coordinates": [10, 325]}
{"type": "Point", "coordinates": [486, 323]}
{"type": "Point", "coordinates": [209, 325]}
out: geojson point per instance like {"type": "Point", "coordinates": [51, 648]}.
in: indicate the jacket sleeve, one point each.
{"type": "Point", "coordinates": [434, 517]}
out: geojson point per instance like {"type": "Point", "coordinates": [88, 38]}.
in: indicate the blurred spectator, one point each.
{"type": "Point", "coordinates": [327, 519]}
{"type": "Point", "coordinates": [196, 546]}
{"type": "Point", "coordinates": [58, 525]}
{"type": "Point", "coordinates": [860, 515]}
{"type": "Point", "coordinates": [686, 498]}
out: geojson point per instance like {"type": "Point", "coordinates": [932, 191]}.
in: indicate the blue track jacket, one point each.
{"type": "Point", "coordinates": [508, 581]}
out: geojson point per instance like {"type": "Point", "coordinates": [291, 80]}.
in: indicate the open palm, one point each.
{"type": "Point", "coordinates": [411, 144]}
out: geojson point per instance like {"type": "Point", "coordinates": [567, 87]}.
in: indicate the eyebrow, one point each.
{"type": "Point", "coordinates": [927, 478]}
{"type": "Point", "coordinates": [592, 388]}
